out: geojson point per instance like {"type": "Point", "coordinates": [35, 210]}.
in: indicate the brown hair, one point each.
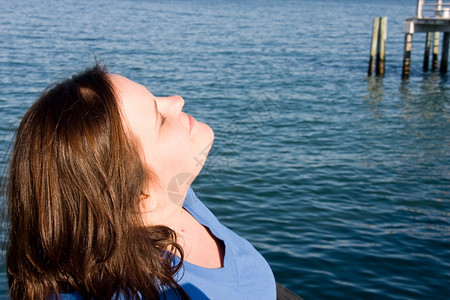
{"type": "Point", "coordinates": [75, 180]}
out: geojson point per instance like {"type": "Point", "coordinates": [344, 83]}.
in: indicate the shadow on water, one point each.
{"type": "Point", "coordinates": [410, 120]}
{"type": "Point", "coordinates": [375, 87]}
{"type": "Point", "coordinates": [427, 98]}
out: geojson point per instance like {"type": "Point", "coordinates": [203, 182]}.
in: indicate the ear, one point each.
{"type": "Point", "coordinates": [146, 204]}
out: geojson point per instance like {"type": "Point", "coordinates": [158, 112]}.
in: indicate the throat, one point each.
{"type": "Point", "coordinates": [201, 247]}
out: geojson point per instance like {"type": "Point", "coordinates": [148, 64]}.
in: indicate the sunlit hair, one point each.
{"type": "Point", "coordinates": [75, 181]}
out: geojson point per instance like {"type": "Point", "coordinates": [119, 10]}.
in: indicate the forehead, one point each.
{"type": "Point", "coordinates": [131, 93]}
{"type": "Point", "coordinates": [137, 104]}
{"type": "Point", "coordinates": [125, 88]}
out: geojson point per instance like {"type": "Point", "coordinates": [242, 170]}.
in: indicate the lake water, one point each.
{"type": "Point", "coordinates": [340, 180]}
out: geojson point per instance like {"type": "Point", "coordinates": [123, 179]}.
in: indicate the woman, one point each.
{"type": "Point", "coordinates": [100, 201]}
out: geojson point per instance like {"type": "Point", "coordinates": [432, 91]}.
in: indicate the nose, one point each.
{"type": "Point", "coordinates": [172, 105]}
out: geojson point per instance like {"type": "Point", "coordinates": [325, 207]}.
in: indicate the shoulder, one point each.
{"type": "Point", "coordinates": [199, 210]}
{"type": "Point", "coordinates": [191, 198]}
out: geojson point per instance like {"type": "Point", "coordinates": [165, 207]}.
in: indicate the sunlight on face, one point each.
{"type": "Point", "coordinates": [175, 145]}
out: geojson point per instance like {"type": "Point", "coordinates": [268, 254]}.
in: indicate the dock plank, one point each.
{"type": "Point", "coordinates": [284, 294]}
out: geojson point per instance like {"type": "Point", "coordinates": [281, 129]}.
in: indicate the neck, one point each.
{"type": "Point", "coordinates": [166, 211]}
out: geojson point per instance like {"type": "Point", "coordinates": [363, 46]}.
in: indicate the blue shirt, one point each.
{"type": "Point", "coordinates": [245, 273]}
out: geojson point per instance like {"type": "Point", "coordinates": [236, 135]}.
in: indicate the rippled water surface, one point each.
{"type": "Point", "coordinates": [340, 180]}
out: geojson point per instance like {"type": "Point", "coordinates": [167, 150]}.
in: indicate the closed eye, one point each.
{"type": "Point", "coordinates": [163, 119]}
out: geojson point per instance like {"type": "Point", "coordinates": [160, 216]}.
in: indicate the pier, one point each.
{"type": "Point", "coordinates": [432, 17]}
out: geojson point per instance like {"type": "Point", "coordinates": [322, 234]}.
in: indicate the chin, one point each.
{"type": "Point", "coordinates": [206, 135]}
{"type": "Point", "coordinates": [211, 133]}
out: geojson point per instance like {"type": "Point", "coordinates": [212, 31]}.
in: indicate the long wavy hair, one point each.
{"type": "Point", "coordinates": [75, 180]}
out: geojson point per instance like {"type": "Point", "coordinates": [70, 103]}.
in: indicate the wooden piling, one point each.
{"type": "Point", "coordinates": [419, 8]}
{"type": "Point", "coordinates": [382, 36]}
{"type": "Point", "coordinates": [426, 57]}
{"type": "Point", "coordinates": [435, 51]}
{"type": "Point", "coordinates": [444, 58]}
{"type": "Point", "coordinates": [407, 56]}
{"type": "Point", "coordinates": [374, 44]}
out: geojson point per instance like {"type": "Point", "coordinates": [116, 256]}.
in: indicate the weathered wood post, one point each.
{"type": "Point", "coordinates": [374, 44]}
{"type": "Point", "coordinates": [426, 57]}
{"type": "Point", "coordinates": [444, 58]}
{"type": "Point", "coordinates": [419, 8]}
{"type": "Point", "coordinates": [438, 8]}
{"type": "Point", "coordinates": [407, 56]}
{"type": "Point", "coordinates": [382, 36]}
{"type": "Point", "coordinates": [435, 51]}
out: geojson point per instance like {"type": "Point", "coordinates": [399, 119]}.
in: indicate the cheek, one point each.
{"type": "Point", "coordinates": [172, 156]}
{"type": "Point", "coordinates": [171, 165]}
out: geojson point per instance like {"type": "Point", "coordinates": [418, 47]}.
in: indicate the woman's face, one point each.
{"type": "Point", "coordinates": [175, 145]}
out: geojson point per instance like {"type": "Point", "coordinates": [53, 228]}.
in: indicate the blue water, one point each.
{"type": "Point", "coordinates": [340, 180]}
